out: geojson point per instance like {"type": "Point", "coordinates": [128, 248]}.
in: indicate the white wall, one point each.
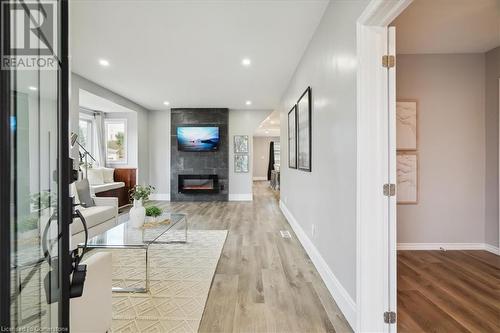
{"type": "Point", "coordinates": [242, 122]}
{"type": "Point", "coordinates": [261, 155]}
{"type": "Point", "coordinates": [131, 139]}
{"type": "Point", "coordinates": [159, 153]}
{"type": "Point", "coordinates": [451, 138]}
{"type": "Point", "coordinates": [326, 197]}
{"type": "Point", "coordinates": [78, 82]}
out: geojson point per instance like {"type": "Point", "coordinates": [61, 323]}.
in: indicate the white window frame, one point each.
{"type": "Point", "coordinates": [125, 141]}
{"type": "Point", "coordinates": [91, 138]}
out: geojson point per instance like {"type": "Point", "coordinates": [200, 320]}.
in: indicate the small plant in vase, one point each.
{"type": "Point", "coordinates": [152, 213]}
{"type": "Point", "coordinates": [140, 194]}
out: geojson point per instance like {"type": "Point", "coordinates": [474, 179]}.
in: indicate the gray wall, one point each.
{"type": "Point", "coordinates": [491, 207]}
{"type": "Point", "coordinates": [261, 155]}
{"type": "Point", "coordinates": [78, 82]}
{"type": "Point", "coordinates": [241, 122]}
{"type": "Point", "coordinates": [451, 138]}
{"type": "Point", "coordinates": [159, 153]}
{"type": "Point", "coordinates": [326, 197]}
{"type": "Point", "coordinates": [199, 163]}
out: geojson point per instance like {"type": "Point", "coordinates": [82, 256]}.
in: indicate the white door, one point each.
{"type": "Point", "coordinates": [391, 232]}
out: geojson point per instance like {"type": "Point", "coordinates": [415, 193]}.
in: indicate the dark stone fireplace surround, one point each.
{"type": "Point", "coordinates": [194, 164]}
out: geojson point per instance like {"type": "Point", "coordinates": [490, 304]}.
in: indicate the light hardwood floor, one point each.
{"type": "Point", "coordinates": [263, 282]}
{"type": "Point", "coordinates": [452, 291]}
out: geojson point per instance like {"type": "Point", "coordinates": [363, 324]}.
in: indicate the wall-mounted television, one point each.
{"type": "Point", "coordinates": [191, 138]}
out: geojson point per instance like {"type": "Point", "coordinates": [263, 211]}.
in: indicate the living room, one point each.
{"type": "Point", "coordinates": [180, 156]}
{"type": "Point", "coordinates": [221, 166]}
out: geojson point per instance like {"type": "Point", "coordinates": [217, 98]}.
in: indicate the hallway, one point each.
{"type": "Point", "coordinates": [263, 282]}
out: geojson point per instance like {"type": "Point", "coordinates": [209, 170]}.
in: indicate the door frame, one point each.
{"type": "Point", "coordinates": [64, 166]}
{"type": "Point", "coordinates": [376, 251]}
{"type": "Point", "coordinates": [5, 136]}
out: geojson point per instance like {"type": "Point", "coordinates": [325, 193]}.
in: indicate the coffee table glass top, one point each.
{"type": "Point", "coordinates": [126, 235]}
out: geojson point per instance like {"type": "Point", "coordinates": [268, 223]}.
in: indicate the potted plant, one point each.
{"type": "Point", "coordinates": [140, 194]}
{"type": "Point", "coordinates": [152, 213]}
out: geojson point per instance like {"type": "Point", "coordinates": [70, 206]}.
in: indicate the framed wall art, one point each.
{"type": "Point", "coordinates": [241, 163]}
{"type": "Point", "coordinates": [241, 144]}
{"type": "Point", "coordinates": [304, 129]}
{"type": "Point", "coordinates": [406, 125]}
{"type": "Point", "coordinates": [292, 138]}
{"type": "Point", "coordinates": [407, 178]}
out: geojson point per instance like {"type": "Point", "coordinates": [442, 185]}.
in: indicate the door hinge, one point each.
{"type": "Point", "coordinates": [390, 317]}
{"type": "Point", "coordinates": [389, 190]}
{"type": "Point", "coordinates": [388, 61]}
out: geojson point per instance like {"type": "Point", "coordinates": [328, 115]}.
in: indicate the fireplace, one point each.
{"type": "Point", "coordinates": [198, 184]}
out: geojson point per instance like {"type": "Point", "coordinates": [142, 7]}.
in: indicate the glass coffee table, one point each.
{"type": "Point", "coordinates": [129, 237]}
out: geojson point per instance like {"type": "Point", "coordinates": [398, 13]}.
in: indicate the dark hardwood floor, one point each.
{"type": "Point", "coordinates": [263, 282]}
{"type": "Point", "coordinates": [448, 291]}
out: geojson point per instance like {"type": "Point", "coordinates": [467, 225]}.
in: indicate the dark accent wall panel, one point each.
{"type": "Point", "coordinates": [200, 163]}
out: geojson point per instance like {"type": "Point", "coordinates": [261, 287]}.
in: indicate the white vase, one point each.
{"type": "Point", "coordinates": [137, 213]}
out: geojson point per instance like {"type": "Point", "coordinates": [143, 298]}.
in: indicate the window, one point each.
{"type": "Point", "coordinates": [116, 141]}
{"type": "Point", "coordinates": [86, 133]}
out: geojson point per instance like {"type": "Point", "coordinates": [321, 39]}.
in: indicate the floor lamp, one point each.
{"type": "Point", "coordinates": [74, 139]}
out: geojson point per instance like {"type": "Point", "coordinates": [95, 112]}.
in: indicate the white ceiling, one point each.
{"type": "Point", "coordinates": [189, 52]}
{"type": "Point", "coordinates": [448, 26]}
{"type": "Point", "coordinates": [97, 103]}
{"type": "Point", "coordinates": [270, 126]}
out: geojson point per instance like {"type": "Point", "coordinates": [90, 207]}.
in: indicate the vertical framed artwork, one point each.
{"type": "Point", "coordinates": [292, 138]}
{"type": "Point", "coordinates": [407, 178]}
{"type": "Point", "coordinates": [241, 144]}
{"type": "Point", "coordinates": [241, 163]}
{"type": "Point", "coordinates": [406, 125]}
{"type": "Point", "coordinates": [304, 129]}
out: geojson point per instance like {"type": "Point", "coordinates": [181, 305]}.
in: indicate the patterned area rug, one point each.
{"type": "Point", "coordinates": [180, 278]}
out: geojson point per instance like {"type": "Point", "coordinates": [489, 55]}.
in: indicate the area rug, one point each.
{"type": "Point", "coordinates": [181, 275]}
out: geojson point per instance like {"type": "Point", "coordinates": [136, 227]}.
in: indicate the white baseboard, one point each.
{"type": "Point", "coordinates": [492, 249]}
{"type": "Point", "coordinates": [160, 196]}
{"type": "Point", "coordinates": [241, 197]}
{"type": "Point", "coordinates": [259, 178]}
{"type": "Point", "coordinates": [447, 246]}
{"type": "Point", "coordinates": [338, 292]}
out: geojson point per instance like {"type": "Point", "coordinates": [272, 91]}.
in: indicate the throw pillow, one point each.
{"type": "Point", "coordinates": [95, 176]}
{"type": "Point", "coordinates": [108, 175]}
{"type": "Point", "coordinates": [74, 193]}
{"type": "Point", "coordinates": [83, 190]}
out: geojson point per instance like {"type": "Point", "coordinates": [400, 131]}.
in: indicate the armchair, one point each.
{"type": "Point", "coordinates": [92, 312]}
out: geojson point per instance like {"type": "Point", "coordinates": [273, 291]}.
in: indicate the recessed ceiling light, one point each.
{"type": "Point", "coordinates": [246, 62]}
{"type": "Point", "coordinates": [248, 102]}
{"type": "Point", "coordinates": [32, 88]}
{"type": "Point", "coordinates": [103, 62]}
{"type": "Point", "coordinates": [166, 103]}
{"type": "Point", "coordinates": [267, 132]}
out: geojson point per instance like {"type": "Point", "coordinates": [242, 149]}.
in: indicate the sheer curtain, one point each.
{"type": "Point", "coordinates": [100, 138]}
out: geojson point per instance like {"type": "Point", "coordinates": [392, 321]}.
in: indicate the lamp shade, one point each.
{"type": "Point", "coordinates": [74, 137]}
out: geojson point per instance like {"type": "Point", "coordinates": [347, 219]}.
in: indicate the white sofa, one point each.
{"type": "Point", "coordinates": [101, 217]}
{"type": "Point", "coordinates": [101, 179]}
{"type": "Point", "coordinates": [92, 312]}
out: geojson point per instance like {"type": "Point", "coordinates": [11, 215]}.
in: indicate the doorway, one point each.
{"type": "Point", "coordinates": [377, 157]}
{"type": "Point", "coordinates": [267, 152]}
